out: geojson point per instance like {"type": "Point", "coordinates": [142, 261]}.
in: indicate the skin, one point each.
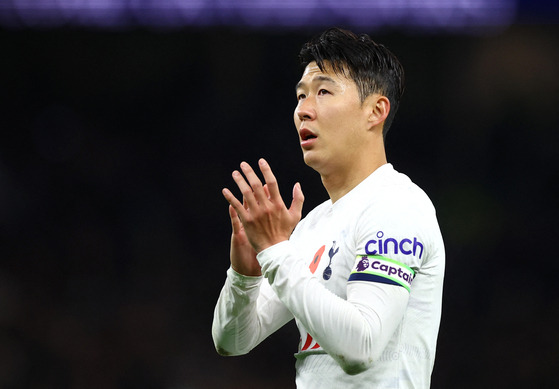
{"type": "Point", "coordinates": [349, 144]}
{"type": "Point", "coordinates": [263, 220]}
{"type": "Point", "coordinates": [346, 146]}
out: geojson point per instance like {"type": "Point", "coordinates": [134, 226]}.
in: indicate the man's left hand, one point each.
{"type": "Point", "coordinates": [266, 219]}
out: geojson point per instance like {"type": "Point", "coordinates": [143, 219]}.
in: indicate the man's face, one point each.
{"type": "Point", "coordinates": [330, 119]}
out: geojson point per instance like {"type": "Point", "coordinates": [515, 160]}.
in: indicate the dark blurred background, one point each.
{"type": "Point", "coordinates": [121, 122]}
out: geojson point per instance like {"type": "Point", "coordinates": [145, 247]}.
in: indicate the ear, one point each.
{"type": "Point", "coordinates": [379, 107]}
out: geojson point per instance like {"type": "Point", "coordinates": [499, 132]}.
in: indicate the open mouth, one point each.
{"type": "Point", "coordinates": [306, 134]}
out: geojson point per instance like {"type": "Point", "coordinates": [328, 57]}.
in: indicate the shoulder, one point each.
{"type": "Point", "coordinates": [398, 219]}
{"type": "Point", "coordinates": [394, 195]}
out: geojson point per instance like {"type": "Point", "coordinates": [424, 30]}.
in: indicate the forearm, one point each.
{"type": "Point", "coordinates": [353, 331]}
{"type": "Point", "coordinates": [235, 324]}
{"type": "Point", "coordinates": [246, 313]}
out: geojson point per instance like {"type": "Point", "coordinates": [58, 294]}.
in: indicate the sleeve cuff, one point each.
{"type": "Point", "coordinates": [277, 251]}
{"type": "Point", "coordinates": [242, 281]}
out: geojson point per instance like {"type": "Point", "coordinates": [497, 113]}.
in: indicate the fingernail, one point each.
{"type": "Point", "coordinates": [262, 162]}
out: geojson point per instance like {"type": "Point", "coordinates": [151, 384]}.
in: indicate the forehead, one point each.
{"type": "Point", "coordinates": [312, 69]}
{"type": "Point", "coordinates": [313, 73]}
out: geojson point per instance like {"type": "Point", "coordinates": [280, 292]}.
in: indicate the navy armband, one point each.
{"type": "Point", "coordinates": [376, 268]}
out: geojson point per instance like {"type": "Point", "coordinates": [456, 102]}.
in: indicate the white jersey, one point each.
{"type": "Point", "coordinates": [363, 279]}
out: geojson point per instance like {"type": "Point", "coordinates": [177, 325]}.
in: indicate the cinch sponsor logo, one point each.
{"type": "Point", "coordinates": [382, 246]}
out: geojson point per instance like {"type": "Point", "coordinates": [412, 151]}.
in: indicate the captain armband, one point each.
{"type": "Point", "coordinates": [376, 268]}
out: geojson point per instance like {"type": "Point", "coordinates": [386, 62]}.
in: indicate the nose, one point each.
{"type": "Point", "coordinates": [305, 109]}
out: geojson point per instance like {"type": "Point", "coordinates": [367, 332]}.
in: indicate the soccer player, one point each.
{"type": "Point", "coordinates": [362, 273]}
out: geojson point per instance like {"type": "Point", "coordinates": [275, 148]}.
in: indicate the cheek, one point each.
{"type": "Point", "coordinates": [342, 119]}
{"type": "Point", "coordinates": [349, 130]}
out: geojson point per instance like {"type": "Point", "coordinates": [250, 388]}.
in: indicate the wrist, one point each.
{"type": "Point", "coordinates": [241, 281]}
{"type": "Point", "coordinates": [267, 245]}
{"type": "Point", "coordinates": [247, 271]}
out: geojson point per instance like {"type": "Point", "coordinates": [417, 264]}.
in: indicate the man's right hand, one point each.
{"type": "Point", "coordinates": [243, 256]}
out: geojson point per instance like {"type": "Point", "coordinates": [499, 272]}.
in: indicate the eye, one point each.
{"type": "Point", "coordinates": [323, 92]}
{"type": "Point", "coordinates": [301, 96]}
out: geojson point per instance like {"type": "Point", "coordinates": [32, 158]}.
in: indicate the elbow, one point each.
{"type": "Point", "coordinates": [223, 352]}
{"type": "Point", "coordinates": [224, 344]}
{"type": "Point", "coordinates": [354, 366]}
{"type": "Point", "coordinates": [228, 353]}
{"type": "Point", "coordinates": [225, 348]}
{"type": "Point", "coordinates": [221, 346]}
{"type": "Point", "coordinates": [354, 362]}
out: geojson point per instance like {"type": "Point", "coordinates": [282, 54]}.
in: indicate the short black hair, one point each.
{"type": "Point", "coordinates": [370, 65]}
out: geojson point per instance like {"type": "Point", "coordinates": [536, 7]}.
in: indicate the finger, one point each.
{"type": "Point", "coordinates": [254, 182]}
{"type": "Point", "coordinates": [271, 182]}
{"type": "Point", "coordinates": [246, 190]}
{"type": "Point", "coordinates": [235, 221]}
{"type": "Point", "coordinates": [235, 204]}
{"type": "Point", "coordinates": [296, 207]}
{"type": "Point", "coordinates": [267, 191]}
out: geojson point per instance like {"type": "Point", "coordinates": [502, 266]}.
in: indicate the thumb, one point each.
{"type": "Point", "coordinates": [235, 221]}
{"type": "Point", "coordinates": [297, 202]}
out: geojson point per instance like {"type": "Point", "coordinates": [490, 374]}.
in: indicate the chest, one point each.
{"type": "Point", "coordinates": [327, 245]}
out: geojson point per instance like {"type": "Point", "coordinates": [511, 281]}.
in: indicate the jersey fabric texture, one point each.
{"type": "Point", "coordinates": [362, 277]}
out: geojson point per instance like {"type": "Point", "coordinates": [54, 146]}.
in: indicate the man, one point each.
{"type": "Point", "coordinates": [362, 273]}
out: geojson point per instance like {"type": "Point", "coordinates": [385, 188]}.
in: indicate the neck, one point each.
{"type": "Point", "coordinates": [343, 179]}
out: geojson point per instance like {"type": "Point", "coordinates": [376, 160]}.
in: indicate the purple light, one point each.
{"type": "Point", "coordinates": [261, 13]}
{"type": "Point", "coordinates": [167, 12]}
{"type": "Point", "coordinates": [420, 14]}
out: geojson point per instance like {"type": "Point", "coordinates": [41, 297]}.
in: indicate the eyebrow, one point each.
{"type": "Point", "coordinates": [301, 84]}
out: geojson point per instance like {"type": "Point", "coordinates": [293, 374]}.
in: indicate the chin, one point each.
{"type": "Point", "coordinates": [311, 161]}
